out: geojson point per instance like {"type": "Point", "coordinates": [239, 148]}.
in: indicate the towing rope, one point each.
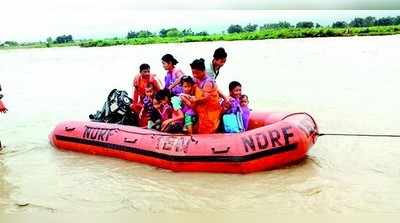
{"type": "Point", "coordinates": [357, 134]}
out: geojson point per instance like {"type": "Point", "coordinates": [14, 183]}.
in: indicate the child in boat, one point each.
{"type": "Point", "coordinates": [171, 115]}
{"type": "Point", "coordinates": [155, 117]}
{"type": "Point", "coordinates": [244, 105]}
{"type": "Point", "coordinates": [233, 115]}
{"type": "Point", "coordinates": [184, 102]}
{"type": "Point", "coordinates": [147, 105]}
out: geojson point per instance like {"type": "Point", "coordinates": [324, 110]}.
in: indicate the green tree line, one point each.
{"type": "Point", "coordinates": [171, 32]}
{"type": "Point", "coordinates": [252, 31]}
{"type": "Point", "coordinates": [236, 28]}
{"type": "Point", "coordinates": [368, 22]}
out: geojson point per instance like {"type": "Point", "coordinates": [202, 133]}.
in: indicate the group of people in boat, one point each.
{"type": "Point", "coordinates": [189, 104]}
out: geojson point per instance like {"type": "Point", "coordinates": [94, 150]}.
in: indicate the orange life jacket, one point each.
{"type": "Point", "coordinates": [208, 110]}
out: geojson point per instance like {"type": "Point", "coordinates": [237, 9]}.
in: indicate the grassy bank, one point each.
{"type": "Point", "coordinates": [284, 33]}
{"type": "Point", "coordinates": [39, 45]}
{"type": "Point", "coordinates": [257, 35]}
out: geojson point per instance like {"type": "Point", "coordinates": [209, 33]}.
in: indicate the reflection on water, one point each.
{"type": "Point", "coordinates": [348, 84]}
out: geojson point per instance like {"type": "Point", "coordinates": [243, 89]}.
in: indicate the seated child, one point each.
{"type": "Point", "coordinates": [154, 116]}
{"type": "Point", "coordinates": [147, 105]}
{"type": "Point", "coordinates": [184, 102]}
{"type": "Point", "coordinates": [233, 116]}
{"type": "Point", "coordinates": [171, 119]}
{"type": "Point", "coordinates": [244, 103]}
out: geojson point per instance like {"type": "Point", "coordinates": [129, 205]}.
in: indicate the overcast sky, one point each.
{"type": "Point", "coordinates": [35, 20]}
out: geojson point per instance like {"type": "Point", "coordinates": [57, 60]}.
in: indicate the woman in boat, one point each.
{"type": "Point", "coordinates": [173, 76]}
{"type": "Point", "coordinates": [206, 99]}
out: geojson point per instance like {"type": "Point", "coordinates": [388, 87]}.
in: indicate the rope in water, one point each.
{"type": "Point", "coordinates": [354, 134]}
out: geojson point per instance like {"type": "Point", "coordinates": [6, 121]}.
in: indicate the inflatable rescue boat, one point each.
{"type": "Point", "coordinates": [274, 140]}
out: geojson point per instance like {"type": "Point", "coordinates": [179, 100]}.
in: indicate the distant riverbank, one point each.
{"type": "Point", "coordinates": [280, 33]}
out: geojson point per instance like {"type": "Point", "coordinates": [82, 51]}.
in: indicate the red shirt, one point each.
{"type": "Point", "coordinates": [139, 85]}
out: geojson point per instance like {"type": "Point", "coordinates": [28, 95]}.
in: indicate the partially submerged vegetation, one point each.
{"type": "Point", "coordinates": [368, 26]}
{"type": "Point", "coordinates": [256, 35]}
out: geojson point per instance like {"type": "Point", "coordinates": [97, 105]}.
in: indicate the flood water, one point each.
{"type": "Point", "coordinates": [350, 85]}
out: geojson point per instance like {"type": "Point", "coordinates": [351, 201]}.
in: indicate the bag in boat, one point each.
{"type": "Point", "coordinates": [233, 122]}
{"type": "Point", "coordinates": [116, 109]}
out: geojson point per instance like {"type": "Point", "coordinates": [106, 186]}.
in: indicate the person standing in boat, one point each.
{"type": "Point", "coordinates": [218, 61]}
{"type": "Point", "coordinates": [173, 76]}
{"type": "Point", "coordinates": [212, 68]}
{"type": "Point", "coordinates": [140, 83]}
{"type": "Point", "coordinates": [206, 99]}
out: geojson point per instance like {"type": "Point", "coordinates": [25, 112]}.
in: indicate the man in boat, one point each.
{"type": "Point", "coordinates": [218, 61]}
{"type": "Point", "coordinates": [139, 86]}
{"type": "Point", "coordinates": [212, 68]}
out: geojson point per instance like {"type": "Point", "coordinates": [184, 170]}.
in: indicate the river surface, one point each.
{"type": "Point", "coordinates": [350, 85]}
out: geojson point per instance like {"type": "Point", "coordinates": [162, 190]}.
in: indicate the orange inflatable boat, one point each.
{"type": "Point", "coordinates": [274, 140]}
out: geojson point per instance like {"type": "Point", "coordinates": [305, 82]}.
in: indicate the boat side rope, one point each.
{"type": "Point", "coordinates": [343, 134]}
{"type": "Point", "coordinates": [358, 134]}
{"type": "Point", "coordinates": [303, 113]}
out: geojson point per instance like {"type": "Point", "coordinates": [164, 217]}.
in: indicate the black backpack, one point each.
{"type": "Point", "coordinates": [116, 109]}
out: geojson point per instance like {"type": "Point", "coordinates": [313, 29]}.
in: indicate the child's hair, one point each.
{"type": "Point", "coordinates": [161, 94]}
{"type": "Point", "coordinates": [187, 79]}
{"type": "Point", "coordinates": [233, 84]}
{"type": "Point", "coordinates": [168, 58]}
{"type": "Point", "coordinates": [243, 96]}
{"type": "Point", "coordinates": [144, 66]}
{"type": "Point", "coordinates": [220, 53]}
{"type": "Point", "coordinates": [150, 85]}
{"type": "Point", "coordinates": [198, 64]}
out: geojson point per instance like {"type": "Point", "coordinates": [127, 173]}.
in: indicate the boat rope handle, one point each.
{"type": "Point", "coordinates": [68, 129]}
{"type": "Point", "coordinates": [130, 141]}
{"type": "Point", "coordinates": [215, 151]}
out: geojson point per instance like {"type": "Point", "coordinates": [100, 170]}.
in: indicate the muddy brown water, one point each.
{"type": "Point", "coordinates": [350, 85]}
